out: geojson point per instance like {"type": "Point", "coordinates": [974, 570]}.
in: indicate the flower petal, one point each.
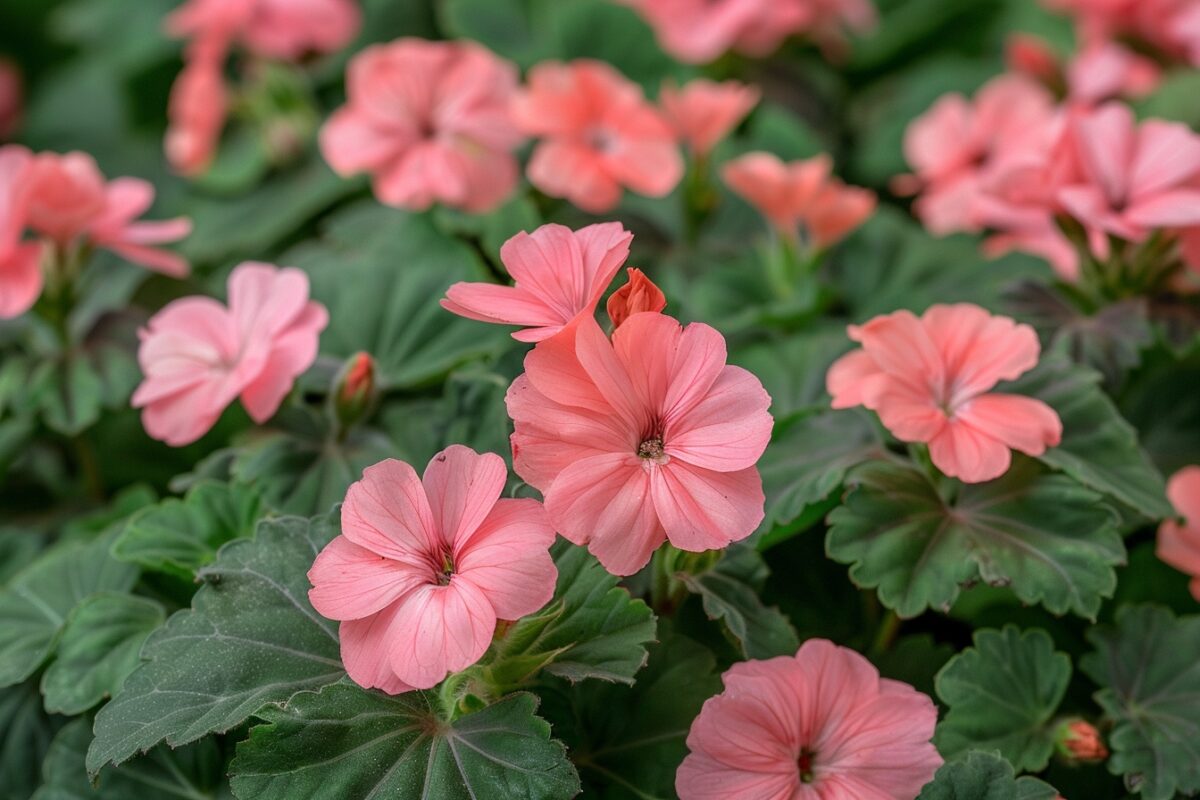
{"type": "Point", "coordinates": [438, 630]}
{"type": "Point", "coordinates": [705, 510]}
{"type": "Point", "coordinates": [508, 558]}
{"type": "Point", "coordinates": [351, 582]}
{"type": "Point", "coordinates": [463, 487]}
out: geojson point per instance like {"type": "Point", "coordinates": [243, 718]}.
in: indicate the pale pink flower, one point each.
{"type": "Point", "coordinates": [20, 262]}
{"type": "Point", "coordinates": [195, 115]}
{"type": "Point", "coordinates": [929, 379]}
{"type": "Point", "coordinates": [699, 31]}
{"type": "Point", "coordinates": [819, 725]}
{"type": "Point", "coordinates": [646, 438]}
{"type": "Point", "coordinates": [11, 99]}
{"type": "Point", "coordinates": [198, 355]}
{"type": "Point", "coordinates": [1134, 178]}
{"type": "Point", "coordinates": [282, 29]}
{"type": "Point", "coordinates": [599, 135]}
{"type": "Point", "coordinates": [560, 274]}
{"type": "Point", "coordinates": [800, 194]}
{"type": "Point", "coordinates": [638, 295]}
{"type": "Point", "coordinates": [424, 568]}
{"type": "Point", "coordinates": [705, 112]}
{"type": "Point", "coordinates": [430, 122]}
{"type": "Point", "coordinates": [1179, 540]}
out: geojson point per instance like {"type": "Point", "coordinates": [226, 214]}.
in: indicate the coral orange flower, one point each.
{"type": "Point", "coordinates": [560, 274]}
{"type": "Point", "coordinates": [599, 135]}
{"type": "Point", "coordinates": [424, 568]}
{"type": "Point", "coordinates": [930, 378]}
{"type": "Point", "coordinates": [704, 112]}
{"type": "Point", "coordinates": [430, 122]}
{"type": "Point", "coordinates": [198, 355]}
{"type": "Point", "coordinates": [646, 438]}
{"type": "Point", "coordinates": [1179, 540]}
{"type": "Point", "coordinates": [639, 294]}
{"type": "Point", "coordinates": [20, 261]}
{"type": "Point", "coordinates": [819, 725]}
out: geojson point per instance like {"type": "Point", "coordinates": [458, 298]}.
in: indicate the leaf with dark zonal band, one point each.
{"type": "Point", "coordinates": [983, 776]}
{"type": "Point", "coordinates": [1050, 539]}
{"type": "Point", "coordinates": [354, 744]}
{"type": "Point", "coordinates": [1003, 694]}
{"type": "Point", "coordinates": [250, 638]}
{"type": "Point", "coordinates": [1149, 671]}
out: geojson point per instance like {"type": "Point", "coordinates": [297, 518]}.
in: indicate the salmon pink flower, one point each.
{"type": "Point", "coordinates": [116, 228]}
{"type": "Point", "coordinates": [20, 262]}
{"type": "Point", "coordinates": [1179, 540]}
{"type": "Point", "coordinates": [819, 725]}
{"type": "Point", "coordinates": [430, 122]}
{"type": "Point", "coordinates": [646, 438]}
{"type": "Point", "coordinates": [195, 116]}
{"type": "Point", "coordinates": [198, 355]}
{"type": "Point", "coordinates": [282, 29]}
{"type": "Point", "coordinates": [11, 99]}
{"type": "Point", "coordinates": [639, 294]}
{"type": "Point", "coordinates": [700, 31]}
{"type": "Point", "coordinates": [424, 568]}
{"type": "Point", "coordinates": [929, 379]}
{"type": "Point", "coordinates": [704, 112]}
{"type": "Point", "coordinates": [65, 194]}
{"type": "Point", "coordinates": [599, 135]}
{"type": "Point", "coordinates": [560, 275]}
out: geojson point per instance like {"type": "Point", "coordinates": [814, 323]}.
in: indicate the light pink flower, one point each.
{"type": "Point", "coordinates": [705, 112]}
{"type": "Point", "coordinates": [1107, 70]}
{"type": "Point", "coordinates": [699, 31]}
{"type": "Point", "coordinates": [1179, 540]}
{"type": "Point", "coordinates": [929, 379]}
{"type": "Point", "coordinates": [638, 295]}
{"type": "Point", "coordinates": [198, 356]}
{"type": "Point", "coordinates": [648, 438]}
{"type": "Point", "coordinates": [196, 114]}
{"type": "Point", "coordinates": [560, 274]}
{"type": "Point", "coordinates": [820, 725]}
{"type": "Point", "coordinates": [1135, 178]}
{"type": "Point", "coordinates": [425, 567]}
{"type": "Point", "coordinates": [599, 135]}
{"type": "Point", "coordinates": [64, 194]}
{"type": "Point", "coordinates": [282, 29]}
{"type": "Point", "coordinates": [11, 99]}
{"type": "Point", "coordinates": [430, 122]}
{"type": "Point", "coordinates": [20, 262]}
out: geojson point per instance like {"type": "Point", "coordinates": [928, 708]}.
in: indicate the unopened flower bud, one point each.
{"type": "Point", "coordinates": [639, 294]}
{"type": "Point", "coordinates": [1078, 740]}
{"type": "Point", "coordinates": [354, 389]}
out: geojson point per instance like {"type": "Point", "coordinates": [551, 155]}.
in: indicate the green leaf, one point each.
{"type": "Point", "coordinates": [251, 637]}
{"type": "Point", "coordinates": [792, 369]}
{"type": "Point", "coordinates": [592, 628]}
{"type": "Point", "coordinates": [1051, 540]}
{"type": "Point", "coordinates": [1099, 448]}
{"type": "Point", "coordinates": [1150, 677]}
{"type": "Point", "coordinates": [192, 773]}
{"type": "Point", "coordinates": [25, 734]}
{"type": "Point", "coordinates": [730, 591]}
{"type": "Point", "coordinates": [180, 536]}
{"type": "Point", "coordinates": [629, 740]}
{"type": "Point", "coordinates": [35, 603]}
{"type": "Point", "coordinates": [1003, 694]}
{"type": "Point", "coordinates": [70, 395]}
{"type": "Point", "coordinates": [354, 744]}
{"type": "Point", "coordinates": [99, 648]}
{"type": "Point", "coordinates": [983, 776]}
{"type": "Point", "coordinates": [381, 273]}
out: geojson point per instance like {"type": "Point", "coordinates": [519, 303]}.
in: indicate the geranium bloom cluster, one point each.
{"type": "Point", "coordinates": [1102, 70]}
{"type": "Point", "coordinates": [284, 30]}
{"type": "Point", "coordinates": [65, 204]}
{"type": "Point", "coordinates": [819, 725]}
{"type": "Point", "coordinates": [1179, 540]}
{"type": "Point", "coordinates": [700, 31]}
{"type": "Point", "coordinates": [801, 199]}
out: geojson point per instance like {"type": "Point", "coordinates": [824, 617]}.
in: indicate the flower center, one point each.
{"type": "Point", "coordinates": [651, 449]}
{"type": "Point", "coordinates": [804, 762]}
{"type": "Point", "coordinates": [600, 139]}
{"type": "Point", "coordinates": [447, 570]}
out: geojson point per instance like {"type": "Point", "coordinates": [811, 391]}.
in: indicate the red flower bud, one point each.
{"type": "Point", "coordinates": [1078, 740]}
{"type": "Point", "coordinates": [354, 388]}
{"type": "Point", "coordinates": [640, 294]}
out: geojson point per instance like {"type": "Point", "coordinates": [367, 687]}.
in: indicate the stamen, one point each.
{"type": "Point", "coordinates": [805, 764]}
{"type": "Point", "coordinates": [651, 448]}
{"type": "Point", "coordinates": [443, 577]}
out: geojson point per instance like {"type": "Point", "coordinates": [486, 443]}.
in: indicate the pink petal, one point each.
{"type": "Point", "coordinates": [463, 487]}
{"type": "Point", "coordinates": [1168, 155]}
{"type": "Point", "coordinates": [351, 143]}
{"type": "Point", "coordinates": [508, 558]}
{"type": "Point", "coordinates": [1105, 140]}
{"type": "Point", "coordinates": [1179, 208]}
{"type": "Point", "coordinates": [728, 429]}
{"type": "Point", "coordinates": [901, 347]}
{"type": "Point", "coordinates": [849, 376]}
{"type": "Point", "coordinates": [961, 451]}
{"type": "Point", "coordinates": [388, 513]}
{"type": "Point", "coordinates": [704, 510]}
{"type": "Point", "coordinates": [556, 373]}
{"type": "Point", "coordinates": [565, 169]}
{"type": "Point", "coordinates": [1022, 423]}
{"type": "Point", "coordinates": [651, 167]}
{"type": "Point", "coordinates": [351, 582]}
{"type": "Point", "coordinates": [162, 261]}
{"type": "Point", "coordinates": [365, 652]}
{"type": "Point", "coordinates": [438, 630]}
{"type": "Point", "coordinates": [507, 305]}
{"type": "Point", "coordinates": [978, 349]}
{"type": "Point", "coordinates": [20, 279]}
{"type": "Point", "coordinates": [702, 778]}
{"type": "Point", "coordinates": [292, 352]}
{"type": "Point", "coordinates": [265, 299]}
{"type": "Point", "coordinates": [607, 372]}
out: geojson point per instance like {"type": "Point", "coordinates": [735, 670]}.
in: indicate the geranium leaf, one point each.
{"type": "Point", "coordinates": [25, 734]}
{"type": "Point", "coordinates": [983, 776]}
{"type": "Point", "coordinates": [1047, 537]}
{"type": "Point", "coordinates": [1002, 694]}
{"type": "Point", "coordinates": [251, 637]}
{"type": "Point", "coordinates": [182, 535]}
{"type": "Point", "coordinates": [98, 650]}
{"type": "Point", "coordinates": [1148, 669]}
{"type": "Point", "coordinates": [354, 744]}
{"type": "Point", "coordinates": [792, 369]}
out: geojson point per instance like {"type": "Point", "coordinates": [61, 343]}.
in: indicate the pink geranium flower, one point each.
{"type": "Point", "coordinates": [116, 228]}
{"type": "Point", "coordinates": [638, 295]}
{"type": "Point", "coordinates": [599, 135]}
{"type": "Point", "coordinates": [198, 355]}
{"type": "Point", "coordinates": [11, 99]}
{"type": "Point", "coordinates": [699, 31]}
{"type": "Point", "coordinates": [424, 568]}
{"type": "Point", "coordinates": [65, 194]}
{"type": "Point", "coordinates": [430, 122]}
{"type": "Point", "coordinates": [648, 438]}
{"type": "Point", "coordinates": [1179, 540]}
{"type": "Point", "coordinates": [560, 274]}
{"type": "Point", "coordinates": [20, 262]}
{"type": "Point", "coordinates": [282, 29]}
{"type": "Point", "coordinates": [704, 112]}
{"type": "Point", "coordinates": [820, 725]}
{"type": "Point", "coordinates": [929, 379]}
{"type": "Point", "coordinates": [196, 114]}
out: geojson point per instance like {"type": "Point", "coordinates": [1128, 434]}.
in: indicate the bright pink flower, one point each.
{"type": "Point", "coordinates": [560, 275]}
{"type": "Point", "coordinates": [20, 262]}
{"type": "Point", "coordinates": [1135, 178]}
{"type": "Point", "coordinates": [424, 568]}
{"type": "Point", "coordinates": [704, 112]}
{"type": "Point", "coordinates": [647, 438]}
{"type": "Point", "coordinates": [599, 135]}
{"type": "Point", "coordinates": [198, 355]}
{"type": "Point", "coordinates": [283, 29]}
{"type": "Point", "coordinates": [929, 378]}
{"type": "Point", "coordinates": [430, 121]}
{"type": "Point", "coordinates": [638, 295]}
{"type": "Point", "coordinates": [196, 114]}
{"type": "Point", "coordinates": [116, 228]}
{"type": "Point", "coordinates": [65, 193]}
{"type": "Point", "coordinates": [11, 99]}
{"type": "Point", "coordinates": [820, 725]}
{"type": "Point", "coordinates": [1179, 540]}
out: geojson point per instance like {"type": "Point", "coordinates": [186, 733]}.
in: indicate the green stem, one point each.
{"type": "Point", "coordinates": [885, 634]}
